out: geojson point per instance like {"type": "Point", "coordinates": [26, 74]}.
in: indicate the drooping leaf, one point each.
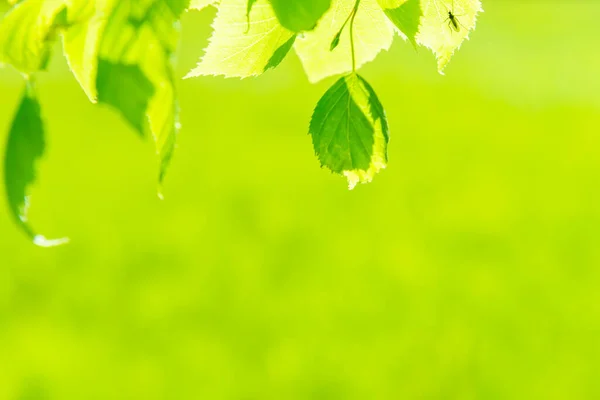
{"type": "Point", "coordinates": [81, 43]}
{"type": "Point", "coordinates": [373, 32]}
{"type": "Point", "coordinates": [26, 33]}
{"type": "Point", "coordinates": [125, 87]}
{"type": "Point", "coordinates": [300, 15]}
{"type": "Point", "coordinates": [25, 146]}
{"type": "Point", "coordinates": [135, 73]}
{"type": "Point", "coordinates": [122, 56]}
{"type": "Point", "coordinates": [405, 14]}
{"type": "Point", "coordinates": [244, 45]}
{"type": "Point", "coordinates": [350, 131]}
{"type": "Point", "coordinates": [429, 23]}
{"type": "Point", "coordinates": [29, 30]}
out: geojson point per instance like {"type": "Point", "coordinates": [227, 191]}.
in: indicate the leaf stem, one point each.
{"type": "Point", "coordinates": [352, 16]}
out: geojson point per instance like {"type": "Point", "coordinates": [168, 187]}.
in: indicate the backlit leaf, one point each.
{"type": "Point", "coordinates": [244, 45]}
{"type": "Point", "coordinates": [405, 14]}
{"type": "Point", "coordinates": [81, 41]}
{"type": "Point", "coordinates": [435, 31]}
{"type": "Point", "coordinates": [350, 131]}
{"type": "Point", "coordinates": [26, 33]}
{"type": "Point", "coordinates": [373, 32]}
{"type": "Point", "coordinates": [135, 68]}
{"type": "Point", "coordinates": [200, 4]}
{"type": "Point", "coordinates": [428, 23]}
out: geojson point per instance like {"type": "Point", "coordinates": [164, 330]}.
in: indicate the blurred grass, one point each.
{"type": "Point", "coordinates": [468, 269]}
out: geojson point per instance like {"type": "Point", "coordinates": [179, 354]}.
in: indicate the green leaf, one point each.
{"type": "Point", "coordinates": [29, 30]}
{"type": "Point", "coordinates": [26, 33]}
{"type": "Point", "coordinates": [436, 30]}
{"type": "Point", "coordinates": [24, 148]}
{"type": "Point", "coordinates": [178, 6]}
{"type": "Point", "coordinates": [300, 15]}
{"type": "Point", "coordinates": [350, 131]}
{"type": "Point", "coordinates": [243, 46]}
{"type": "Point", "coordinates": [405, 14]}
{"type": "Point", "coordinates": [336, 40]}
{"type": "Point", "coordinates": [81, 43]}
{"type": "Point", "coordinates": [373, 32]}
{"type": "Point", "coordinates": [125, 87]}
{"type": "Point", "coordinates": [135, 72]}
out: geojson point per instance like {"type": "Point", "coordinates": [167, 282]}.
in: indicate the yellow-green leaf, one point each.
{"type": "Point", "coordinates": [135, 68]}
{"type": "Point", "coordinates": [26, 33]}
{"type": "Point", "coordinates": [440, 25]}
{"type": "Point", "coordinates": [200, 4]}
{"type": "Point", "coordinates": [242, 44]}
{"type": "Point", "coordinates": [436, 31]}
{"type": "Point", "coordinates": [373, 32]}
{"type": "Point", "coordinates": [81, 41]}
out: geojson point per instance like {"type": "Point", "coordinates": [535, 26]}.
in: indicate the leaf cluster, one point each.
{"type": "Point", "coordinates": [121, 52]}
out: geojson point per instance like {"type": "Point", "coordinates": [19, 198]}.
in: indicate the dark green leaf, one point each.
{"type": "Point", "coordinates": [350, 130]}
{"type": "Point", "coordinates": [24, 148]}
{"type": "Point", "coordinates": [406, 16]}
{"type": "Point", "coordinates": [280, 53]}
{"type": "Point", "coordinates": [336, 40]}
{"type": "Point", "coordinates": [126, 88]}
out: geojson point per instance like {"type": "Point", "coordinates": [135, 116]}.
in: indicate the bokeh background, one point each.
{"type": "Point", "coordinates": [469, 269]}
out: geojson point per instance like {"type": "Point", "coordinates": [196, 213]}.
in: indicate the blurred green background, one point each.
{"type": "Point", "coordinates": [469, 269]}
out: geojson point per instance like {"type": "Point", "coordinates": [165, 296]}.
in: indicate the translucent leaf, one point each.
{"type": "Point", "coordinates": [405, 14]}
{"type": "Point", "coordinates": [81, 41]}
{"type": "Point", "coordinates": [118, 36]}
{"type": "Point", "coordinates": [373, 32]}
{"type": "Point", "coordinates": [244, 45]}
{"type": "Point", "coordinates": [300, 15]}
{"type": "Point", "coordinates": [26, 33]}
{"type": "Point", "coordinates": [350, 131]}
{"type": "Point", "coordinates": [436, 31]}
{"type": "Point", "coordinates": [442, 24]}
{"type": "Point", "coordinates": [25, 146]}
{"type": "Point", "coordinates": [134, 69]}
{"type": "Point", "coordinates": [200, 4]}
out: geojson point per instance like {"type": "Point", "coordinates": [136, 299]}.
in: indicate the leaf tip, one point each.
{"type": "Point", "coordinates": [159, 192]}
{"type": "Point", "coordinates": [191, 74]}
{"type": "Point", "coordinates": [41, 241]}
{"type": "Point", "coordinates": [357, 176]}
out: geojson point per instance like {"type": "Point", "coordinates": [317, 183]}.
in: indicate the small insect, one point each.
{"type": "Point", "coordinates": [453, 22]}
